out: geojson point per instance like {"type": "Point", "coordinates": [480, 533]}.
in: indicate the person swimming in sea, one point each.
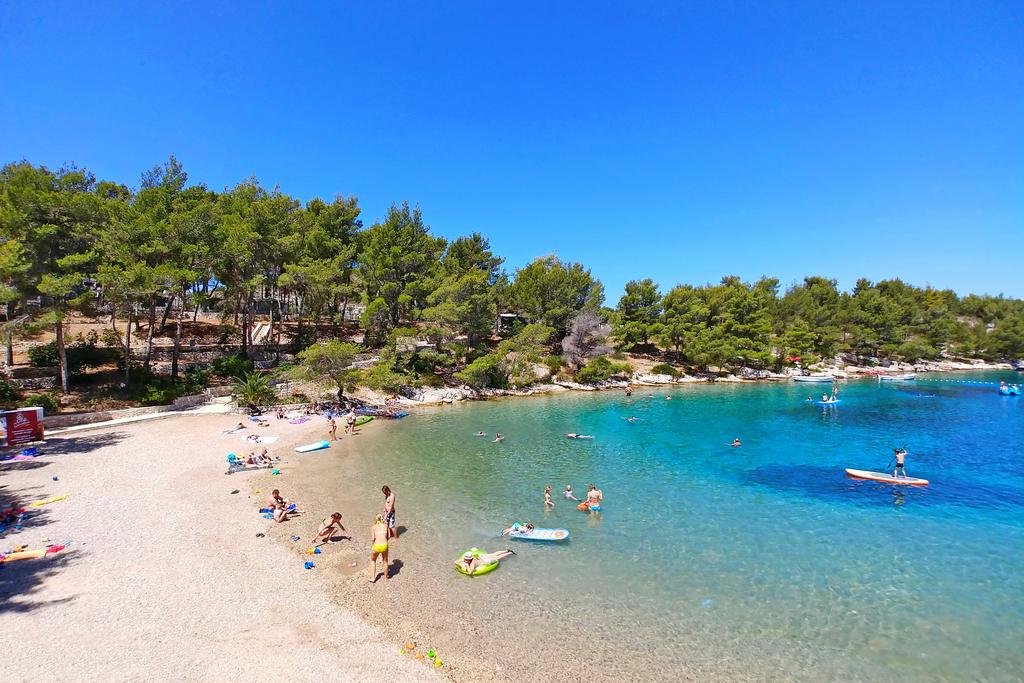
{"type": "Point", "coordinates": [480, 434]}
{"type": "Point", "coordinates": [547, 497]}
{"type": "Point", "coordinates": [735, 443]}
{"type": "Point", "coordinates": [578, 436]}
{"type": "Point", "coordinates": [568, 494]}
{"type": "Point", "coordinates": [497, 438]}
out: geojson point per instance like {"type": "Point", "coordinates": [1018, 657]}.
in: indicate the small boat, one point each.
{"type": "Point", "coordinates": [886, 478]}
{"type": "Point", "coordinates": [541, 535]}
{"type": "Point", "coordinates": [898, 378]}
{"type": "Point", "coordinates": [813, 378]}
{"type": "Point", "coordinates": [1009, 390]}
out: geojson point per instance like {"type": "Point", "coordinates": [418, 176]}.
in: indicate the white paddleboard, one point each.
{"type": "Point", "coordinates": [313, 446]}
{"type": "Point", "coordinates": [886, 478]}
{"type": "Point", "coordinates": [541, 535]}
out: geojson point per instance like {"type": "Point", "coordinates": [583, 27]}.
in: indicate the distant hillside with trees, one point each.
{"type": "Point", "coordinates": [161, 251]}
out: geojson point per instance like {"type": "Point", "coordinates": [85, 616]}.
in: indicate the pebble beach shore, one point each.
{"type": "Point", "coordinates": [165, 577]}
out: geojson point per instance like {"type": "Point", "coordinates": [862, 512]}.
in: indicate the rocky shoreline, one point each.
{"type": "Point", "coordinates": [412, 397]}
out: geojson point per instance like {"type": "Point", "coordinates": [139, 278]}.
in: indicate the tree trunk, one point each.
{"type": "Point", "coordinates": [65, 380]}
{"type": "Point", "coordinates": [177, 336]}
{"type": "Point", "coordinates": [10, 350]}
{"type": "Point", "coordinates": [128, 345]}
{"type": "Point", "coordinates": [167, 310]}
{"type": "Point", "coordinates": [269, 333]}
{"type": "Point", "coordinates": [149, 334]}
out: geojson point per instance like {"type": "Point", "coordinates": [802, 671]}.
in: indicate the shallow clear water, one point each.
{"type": "Point", "coordinates": [765, 559]}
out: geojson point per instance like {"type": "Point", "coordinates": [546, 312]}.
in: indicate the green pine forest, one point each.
{"type": "Point", "coordinates": [72, 245]}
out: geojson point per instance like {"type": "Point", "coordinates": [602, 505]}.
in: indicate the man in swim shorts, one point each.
{"type": "Point", "coordinates": [389, 511]}
{"type": "Point", "coordinates": [378, 547]}
{"type": "Point", "coordinates": [900, 455]}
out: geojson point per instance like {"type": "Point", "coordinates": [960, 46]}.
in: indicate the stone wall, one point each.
{"type": "Point", "coordinates": [61, 421]}
{"type": "Point", "coordinates": [73, 419]}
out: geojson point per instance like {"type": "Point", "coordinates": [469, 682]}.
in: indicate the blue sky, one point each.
{"type": "Point", "coordinates": [675, 141]}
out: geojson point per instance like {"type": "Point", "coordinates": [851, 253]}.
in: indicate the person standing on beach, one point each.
{"type": "Point", "coordinates": [378, 547]}
{"type": "Point", "coordinates": [333, 427]}
{"type": "Point", "coordinates": [389, 511]}
{"type": "Point", "coordinates": [350, 421]}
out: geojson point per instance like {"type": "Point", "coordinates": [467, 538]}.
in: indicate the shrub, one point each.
{"type": "Point", "coordinates": [196, 380]}
{"type": "Point", "coordinates": [914, 350]}
{"type": "Point", "coordinates": [159, 394]}
{"type": "Point", "coordinates": [43, 355]}
{"type": "Point", "coordinates": [485, 371]}
{"type": "Point", "coordinates": [599, 369]}
{"type": "Point", "coordinates": [253, 390]}
{"type": "Point", "coordinates": [554, 364]}
{"type": "Point", "coordinates": [231, 366]}
{"type": "Point", "coordinates": [381, 376]}
{"type": "Point", "coordinates": [430, 380]}
{"type": "Point", "coordinates": [9, 394]}
{"type": "Point", "coordinates": [49, 401]}
{"type": "Point", "coordinates": [664, 369]}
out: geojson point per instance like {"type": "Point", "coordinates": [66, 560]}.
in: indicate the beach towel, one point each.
{"type": "Point", "coordinates": [18, 458]}
{"type": "Point", "coordinates": [46, 501]}
{"type": "Point", "coordinates": [299, 420]}
{"type": "Point", "coordinates": [260, 439]}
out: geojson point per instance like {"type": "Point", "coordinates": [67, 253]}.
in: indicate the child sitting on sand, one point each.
{"type": "Point", "coordinates": [327, 528]}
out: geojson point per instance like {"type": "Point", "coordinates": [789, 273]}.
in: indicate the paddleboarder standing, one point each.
{"type": "Point", "coordinates": [900, 455]}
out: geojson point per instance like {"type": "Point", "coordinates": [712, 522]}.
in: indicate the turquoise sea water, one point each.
{"type": "Point", "coordinates": [764, 559]}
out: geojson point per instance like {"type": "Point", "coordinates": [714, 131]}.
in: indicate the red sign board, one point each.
{"type": "Point", "coordinates": [23, 426]}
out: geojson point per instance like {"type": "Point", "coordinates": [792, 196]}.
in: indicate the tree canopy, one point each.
{"type": "Point", "coordinates": [70, 242]}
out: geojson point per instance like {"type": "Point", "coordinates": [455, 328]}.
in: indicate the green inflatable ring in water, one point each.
{"type": "Point", "coordinates": [481, 570]}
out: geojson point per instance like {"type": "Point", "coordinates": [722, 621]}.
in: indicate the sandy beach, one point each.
{"type": "Point", "coordinates": [165, 577]}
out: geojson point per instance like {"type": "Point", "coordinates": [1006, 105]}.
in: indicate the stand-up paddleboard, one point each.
{"type": "Point", "coordinates": [313, 447]}
{"type": "Point", "coordinates": [830, 403]}
{"type": "Point", "coordinates": [886, 478]}
{"type": "Point", "coordinates": [541, 535]}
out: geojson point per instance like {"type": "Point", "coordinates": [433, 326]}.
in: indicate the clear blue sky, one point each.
{"type": "Point", "coordinates": [681, 143]}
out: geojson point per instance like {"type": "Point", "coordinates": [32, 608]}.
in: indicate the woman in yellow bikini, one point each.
{"type": "Point", "coordinates": [378, 547]}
